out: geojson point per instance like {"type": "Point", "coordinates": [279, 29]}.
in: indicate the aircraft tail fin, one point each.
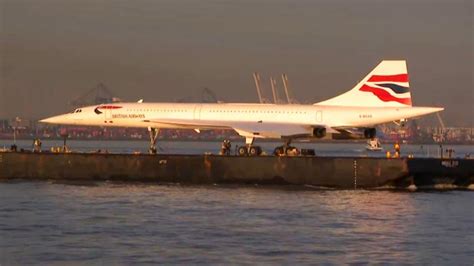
{"type": "Point", "coordinates": [386, 86]}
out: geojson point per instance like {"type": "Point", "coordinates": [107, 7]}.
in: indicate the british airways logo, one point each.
{"type": "Point", "coordinates": [382, 85]}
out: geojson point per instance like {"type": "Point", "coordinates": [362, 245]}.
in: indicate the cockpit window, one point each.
{"type": "Point", "coordinates": [77, 111]}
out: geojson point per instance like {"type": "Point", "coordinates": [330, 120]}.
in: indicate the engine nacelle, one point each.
{"type": "Point", "coordinates": [319, 132]}
{"type": "Point", "coordinates": [369, 133]}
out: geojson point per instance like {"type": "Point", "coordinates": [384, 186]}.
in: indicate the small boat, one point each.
{"type": "Point", "coordinates": [373, 145]}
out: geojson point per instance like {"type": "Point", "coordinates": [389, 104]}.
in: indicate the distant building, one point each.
{"type": "Point", "coordinates": [4, 124]}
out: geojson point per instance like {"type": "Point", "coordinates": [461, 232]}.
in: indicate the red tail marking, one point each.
{"type": "Point", "coordinates": [389, 78]}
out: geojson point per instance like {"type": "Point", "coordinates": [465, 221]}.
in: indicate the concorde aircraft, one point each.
{"type": "Point", "coordinates": [382, 96]}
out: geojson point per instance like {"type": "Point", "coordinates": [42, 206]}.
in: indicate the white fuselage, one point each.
{"type": "Point", "coordinates": [382, 96]}
{"type": "Point", "coordinates": [187, 115]}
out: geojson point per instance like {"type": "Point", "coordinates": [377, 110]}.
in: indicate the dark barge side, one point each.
{"type": "Point", "coordinates": [333, 172]}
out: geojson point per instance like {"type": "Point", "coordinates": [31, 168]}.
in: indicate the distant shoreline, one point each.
{"type": "Point", "coordinates": [22, 138]}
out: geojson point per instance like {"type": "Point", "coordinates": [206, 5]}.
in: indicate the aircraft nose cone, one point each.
{"type": "Point", "coordinates": [46, 120]}
{"type": "Point", "coordinates": [49, 120]}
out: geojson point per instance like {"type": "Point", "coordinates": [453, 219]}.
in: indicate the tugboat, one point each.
{"type": "Point", "coordinates": [373, 145]}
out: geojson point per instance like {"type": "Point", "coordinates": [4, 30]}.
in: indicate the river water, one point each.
{"type": "Point", "coordinates": [199, 147]}
{"type": "Point", "coordinates": [54, 223]}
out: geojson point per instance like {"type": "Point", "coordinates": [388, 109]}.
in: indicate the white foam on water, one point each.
{"type": "Point", "coordinates": [445, 186]}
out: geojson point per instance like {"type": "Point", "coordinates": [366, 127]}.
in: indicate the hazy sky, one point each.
{"type": "Point", "coordinates": [52, 51]}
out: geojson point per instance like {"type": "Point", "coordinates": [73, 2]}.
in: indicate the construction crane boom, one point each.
{"type": "Point", "coordinates": [284, 78]}
{"type": "Point", "coordinates": [97, 95]}
{"type": "Point", "coordinates": [256, 78]}
{"type": "Point", "coordinates": [276, 98]}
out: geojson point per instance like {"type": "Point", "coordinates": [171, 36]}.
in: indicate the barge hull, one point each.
{"type": "Point", "coordinates": [334, 172]}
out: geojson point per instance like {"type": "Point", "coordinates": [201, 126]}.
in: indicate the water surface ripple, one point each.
{"type": "Point", "coordinates": [113, 223]}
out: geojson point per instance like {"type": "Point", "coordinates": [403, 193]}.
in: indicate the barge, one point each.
{"type": "Point", "coordinates": [315, 171]}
